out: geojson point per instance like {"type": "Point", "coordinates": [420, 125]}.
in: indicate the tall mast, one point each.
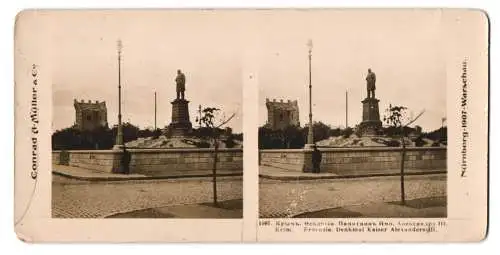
{"type": "Point", "coordinates": [119, 135]}
{"type": "Point", "coordinates": [310, 135]}
{"type": "Point", "coordinates": [155, 110]}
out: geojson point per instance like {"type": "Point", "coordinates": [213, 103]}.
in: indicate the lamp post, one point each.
{"type": "Point", "coordinates": [199, 116]}
{"type": "Point", "coordinates": [310, 134]}
{"type": "Point", "coordinates": [119, 133]}
{"type": "Point", "coordinates": [155, 111]}
{"type": "Point", "coordinates": [346, 109]}
{"type": "Point", "coordinates": [443, 119]}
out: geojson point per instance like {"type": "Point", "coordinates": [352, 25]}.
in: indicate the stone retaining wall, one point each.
{"type": "Point", "coordinates": [99, 160]}
{"type": "Point", "coordinates": [154, 161]}
{"type": "Point", "coordinates": [345, 161]}
{"type": "Point", "coordinates": [291, 159]}
{"type": "Point", "coordinates": [56, 158]}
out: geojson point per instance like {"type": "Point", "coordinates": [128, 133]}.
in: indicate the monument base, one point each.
{"type": "Point", "coordinates": [307, 167]}
{"type": "Point", "coordinates": [371, 123]}
{"type": "Point", "coordinates": [180, 129]}
{"type": "Point", "coordinates": [370, 128]}
{"type": "Point", "coordinates": [180, 125]}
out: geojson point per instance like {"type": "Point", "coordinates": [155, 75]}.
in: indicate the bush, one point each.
{"type": "Point", "coordinates": [436, 144]}
{"type": "Point", "coordinates": [358, 132]}
{"type": "Point", "coordinates": [393, 143]}
{"type": "Point", "coordinates": [156, 134]}
{"type": "Point", "coordinates": [335, 132]}
{"type": "Point", "coordinates": [229, 142]}
{"type": "Point", "coordinates": [346, 133]}
{"type": "Point", "coordinates": [291, 137]}
{"type": "Point", "coordinates": [203, 144]}
{"type": "Point", "coordinates": [378, 140]}
{"type": "Point", "coordinates": [419, 142]}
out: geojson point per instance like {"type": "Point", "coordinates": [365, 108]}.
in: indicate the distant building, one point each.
{"type": "Point", "coordinates": [89, 116]}
{"type": "Point", "coordinates": [281, 115]}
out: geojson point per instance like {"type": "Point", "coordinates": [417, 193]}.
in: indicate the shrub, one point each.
{"type": "Point", "coordinates": [419, 142]}
{"type": "Point", "coordinates": [346, 133]}
{"type": "Point", "coordinates": [229, 142]}
{"type": "Point", "coordinates": [358, 132]}
{"type": "Point", "coordinates": [203, 144]}
{"type": "Point", "coordinates": [436, 144]}
{"type": "Point", "coordinates": [393, 143]}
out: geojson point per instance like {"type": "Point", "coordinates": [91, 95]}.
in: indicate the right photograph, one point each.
{"type": "Point", "coordinates": [352, 115]}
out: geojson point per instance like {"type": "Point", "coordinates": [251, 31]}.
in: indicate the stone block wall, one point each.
{"type": "Point", "coordinates": [99, 160]}
{"type": "Point", "coordinates": [345, 161]}
{"type": "Point", "coordinates": [155, 161]}
{"type": "Point", "coordinates": [292, 159]}
{"type": "Point", "coordinates": [56, 159]}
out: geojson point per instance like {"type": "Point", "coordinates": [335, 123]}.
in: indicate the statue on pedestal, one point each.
{"type": "Point", "coordinates": [371, 116]}
{"type": "Point", "coordinates": [370, 83]}
{"type": "Point", "coordinates": [180, 125]}
{"type": "Point", "coordinates": [180, 80]}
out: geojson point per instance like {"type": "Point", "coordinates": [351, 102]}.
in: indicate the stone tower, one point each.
{"type": "Point", "coordinates": [281, 114]}
{"type": "Point", "coordinates": [89, 115]}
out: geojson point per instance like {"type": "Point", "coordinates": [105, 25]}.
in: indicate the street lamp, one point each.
{"type": "Point", "coordinates": [310, 135]}
{"type": "Point", "coordinates": [443, 119]}
{"type": "Point", "coordinates": [119, 133]}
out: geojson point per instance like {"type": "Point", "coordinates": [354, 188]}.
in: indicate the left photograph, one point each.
{"type": "Point", "coordinates": [147, 115]}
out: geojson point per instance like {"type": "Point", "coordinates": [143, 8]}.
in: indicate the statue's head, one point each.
{"type": "Point", "coordinates": [178, 71]}
{"type": "Point", "coordinates": [369, 70]}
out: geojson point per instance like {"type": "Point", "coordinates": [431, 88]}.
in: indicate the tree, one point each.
{"type": "Point", "coordinates": [229, 141]}
{"type": "Point", "coordinates": [439, 134]}
{"type": "Point", "coordinates": [395, 117]}
{"type": "Point", "coordinates": [335, 132]}
{"type": "Point", "coordinates": [73, 139]}
{"type": "Point", "coordinates": [208, 120]}
{"type": "Point", "coordinates": [321, 131]}
{"type": "Point", "coordinates": [347, 132]}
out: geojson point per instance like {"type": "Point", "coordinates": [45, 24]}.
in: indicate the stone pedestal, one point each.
{"type": "Point", "coordinates": [307, 166]}
{"type": "Point", "coordinates": [371, 117]}
{"type": "Point", "coordinates": [181, 125]}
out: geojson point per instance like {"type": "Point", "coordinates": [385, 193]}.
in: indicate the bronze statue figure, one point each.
{"type": "Point", "coordinates": [370, 83]}
{"type": "Point", "coordinates": [180, 80]}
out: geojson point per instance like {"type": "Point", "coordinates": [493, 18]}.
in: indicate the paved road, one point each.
{"type": "Point", "coordinates": [288, 198]}
{"type": "Point", "coordinates": [82, 199]}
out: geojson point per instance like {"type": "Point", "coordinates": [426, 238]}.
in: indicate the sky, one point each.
{"type": "Point", "coordinates": [403, 48]}
{"type": "Point", "coordinates": [155, 45]}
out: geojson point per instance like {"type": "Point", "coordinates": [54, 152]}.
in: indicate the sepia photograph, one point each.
{"type": "Point", "coordinates": [147, 115]}
{"type": "Point", "coordinates": [352, 115]}
{"type": "Point", "coordinates": [359, 125]}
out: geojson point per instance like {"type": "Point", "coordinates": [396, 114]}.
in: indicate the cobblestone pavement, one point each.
{"type": "Point", "coordinates": [289, 198]}
{"type": "Point", "coordinates": [83, 199]}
